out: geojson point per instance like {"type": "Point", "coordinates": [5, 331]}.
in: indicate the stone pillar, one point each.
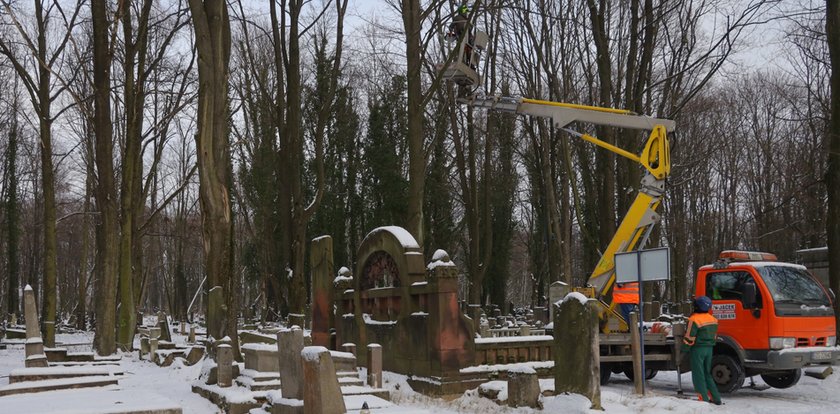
{"type": "Point", "coordinates": [290, 345]}
{"type": "Point", "coordinates": [183, 328]}
{"type": "Point", "coordinates": [348, 347]}
{"type": "Point", "coordinates": [322, 394]}
{"type": "Point", "coordinates": [451, 338]}
{"type": "Point", "coordinates": [374, 365]}
{"type": "Point", "coordinates": [224, 362]}
{"type": "Point", "coordinates": [35, 356]}
{"type": "Point", "coordinates": [191, 338]}
{"type": "Point", "coordinates": [576, 348]}
{"type": "Point", "coordinates": [523, 387]}
{"type": "Point", "coordinates": [525, 330]}
{"type": "Point", "coordinates": [323, 276]}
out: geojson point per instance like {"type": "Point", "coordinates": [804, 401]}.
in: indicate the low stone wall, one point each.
{"type": "Point", "coordinates": [509, 350]}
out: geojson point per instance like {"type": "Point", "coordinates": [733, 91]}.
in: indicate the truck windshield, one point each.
{"type": "Point", "coordinates": [794, 291]}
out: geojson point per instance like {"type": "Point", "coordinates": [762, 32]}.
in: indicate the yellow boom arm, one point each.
{"type": "Point", "coordinates": [637, 224]}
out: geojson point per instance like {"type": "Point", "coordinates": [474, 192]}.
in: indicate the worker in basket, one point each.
{"type": "Point", "coordinates": [626, 296]}
{"type": "Point", "coordinates": [457, 29]}
{"type": "Point", "coordinates": [699, 341]}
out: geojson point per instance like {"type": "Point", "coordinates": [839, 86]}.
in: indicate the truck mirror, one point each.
{"type": "Point", "coordinates": [749, 294]}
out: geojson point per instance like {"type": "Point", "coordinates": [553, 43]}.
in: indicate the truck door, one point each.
{"type": "Point", "coordinates": [749, 327]}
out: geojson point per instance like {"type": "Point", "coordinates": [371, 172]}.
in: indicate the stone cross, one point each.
{"type": "Point", "coordinates": [576, 348]}
{"type": "Point", "coordinates": [322, 394]}
{"type": "Point", "coordinates": [374, 365]}
{"type": "Point", "coordinates": [290, 345]}
{"type": "Point", "coordinates": [35, 356]}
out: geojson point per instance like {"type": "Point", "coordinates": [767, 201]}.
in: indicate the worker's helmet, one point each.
{"type": "Point", "coordinates": [702, 304]}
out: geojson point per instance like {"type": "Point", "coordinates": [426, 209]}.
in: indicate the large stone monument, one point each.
{"type": "Point", "coordinates": [576, 347]}
{"type": "Point", "coordinates": [410, 309]}
{"type": "Point", "coordinates": [35, 356]}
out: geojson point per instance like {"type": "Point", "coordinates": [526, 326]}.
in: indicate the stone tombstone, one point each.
{"type": "Point", "coordinates": [297, 319]}
{"type": "Point", "coordinates": [163, 324]}
{"type": "Point", "coordinates": [323, 276]}
{"type": "Point", "coordinates": [523, 387]}
{"type": "Point", "coordinates": [576, 347]}
{"type": "Point", "coordinates": [348, 347]}
{"type": "Point", "coordinates": [374, 365]}
{"type": "Point", "coordinates": [154, 334]}
{"type": "Point", "coordinates": [290, 345]}
{"type": "Point", "coordinates": [556, 291]}
{"type": "Point", "coordinates": [144, 346]}
{"type": "Point", "coordinates": [224, 362]}
{"type": "Point", "coordinates": [35, 356]}
{"type": "Point", "coordinates": [321, 393]}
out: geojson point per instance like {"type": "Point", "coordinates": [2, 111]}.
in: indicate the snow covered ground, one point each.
{"type": "Point", "coordinates": [810, 396]}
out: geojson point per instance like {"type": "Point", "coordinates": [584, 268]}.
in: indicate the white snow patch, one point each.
{"type": "Point", "coordinates": [403, 236]}
{"type": "Point", "coordinates": [574, 295]}
{"type": "Point", "coordinates": [312, 353]}
{"type": "Point", "coordinates": [509, 339]}
{"type": "Point", "coordinates": [440, 254]}
{"type": "Point", "coordinates": [521, 369]}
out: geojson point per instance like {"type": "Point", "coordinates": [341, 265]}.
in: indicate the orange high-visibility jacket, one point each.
{"type": "Point", "coordinates": [626, 293]}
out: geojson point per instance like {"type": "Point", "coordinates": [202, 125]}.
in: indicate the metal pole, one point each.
{"type": "Point", "coordinates": [641, 317]}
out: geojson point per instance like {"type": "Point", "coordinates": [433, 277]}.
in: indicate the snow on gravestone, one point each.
{"type": "Point", "coordinates": [321, 393]}
{"type": "Point", "coordinates": [576, 347]}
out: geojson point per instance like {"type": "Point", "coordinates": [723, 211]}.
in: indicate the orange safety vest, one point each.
{"type": "Point", "coordinates": [626, 293]}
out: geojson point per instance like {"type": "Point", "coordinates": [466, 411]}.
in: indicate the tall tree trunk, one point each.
{"type": "Point", "coordinates": [106, 196]}
{"type": "Point", "coordinates": [48, 182]}
{"type": "Point", "coordinates": [604, 160]}
{"type": "Point", "coordinates": [12, 216]}
{"type": "Point", "coordinates": [411, 14]}
{"type": "Point", "coordinates": [81, 307]}
{"type": "Point", "coordinates": [832, 29]}
{"type": "Point", "coordinates": [212, 40]}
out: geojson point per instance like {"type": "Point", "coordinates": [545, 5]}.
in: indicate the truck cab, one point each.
{"type": "Point", "coordinates": [774, 318]}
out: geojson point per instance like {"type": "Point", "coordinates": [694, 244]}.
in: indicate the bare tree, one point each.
{"type": "Point", "coordinates": [832, 29]}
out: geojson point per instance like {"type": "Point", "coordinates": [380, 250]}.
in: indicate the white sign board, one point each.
{"type": "Point", "coordinates": [655, 265]}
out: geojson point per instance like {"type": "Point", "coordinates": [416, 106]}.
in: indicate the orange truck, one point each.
{"type": "Point", "coordinates": [774, 318]}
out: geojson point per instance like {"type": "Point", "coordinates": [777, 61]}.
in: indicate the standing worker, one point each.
{"type": "Point", "coordinates": [626, 295]}
{"type": "Point", "coordinates": [699, 340]}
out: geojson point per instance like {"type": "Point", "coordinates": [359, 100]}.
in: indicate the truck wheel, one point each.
{"type": "Point", "coordinates": [606, 373]}
{"type": "Point", "coordinates": [649, 373]}
{"type": "Point", "coordinates": [727, 373]}
{"type": "Point", "coordinates": [785, 379]}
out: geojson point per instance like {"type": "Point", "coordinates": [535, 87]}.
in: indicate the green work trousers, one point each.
{"type": "Point", "coordinates": [701, 373]}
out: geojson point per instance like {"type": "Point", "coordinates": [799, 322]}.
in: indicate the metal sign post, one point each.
{"type": "Point", "coordinates": [643, 266]}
